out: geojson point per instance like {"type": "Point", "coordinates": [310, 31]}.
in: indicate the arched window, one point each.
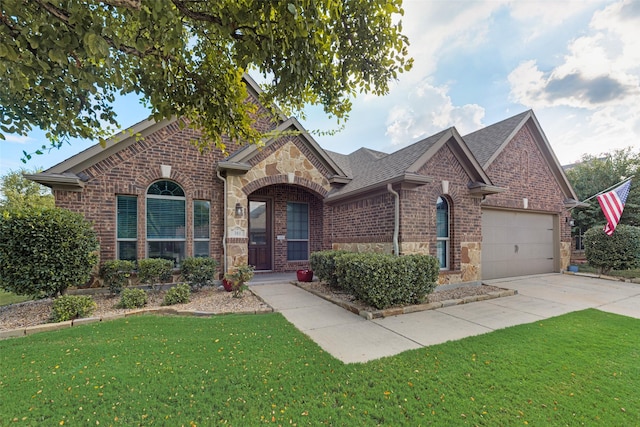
{"type": "Point", "coordinates": [442, 232]}
{"type": "Point", "coordinates": [166, 221]}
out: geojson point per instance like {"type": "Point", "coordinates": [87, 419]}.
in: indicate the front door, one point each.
{"type": "Point", "coordinates": [260, 239]}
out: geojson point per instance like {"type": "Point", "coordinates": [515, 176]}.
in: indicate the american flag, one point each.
{"type": "Point", "coordinates": [612, 204]}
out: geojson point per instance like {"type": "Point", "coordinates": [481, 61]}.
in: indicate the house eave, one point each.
{"type": "Point", "coordinates": [573, 203]}
{"type": "Point", "coordinates": [67, 182]}
{"type": "Point", "coordinates": [235, 167]}
{"type": "Point", "coordinates": [407, 180]}
{"type": "Point", "coordinates": [337, 179]}
{"type": "Point", "coordinates": [480, 189]}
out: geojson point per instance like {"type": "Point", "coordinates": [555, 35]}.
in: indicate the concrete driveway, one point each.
{"type": "Point", "coordinates": [350, 338]}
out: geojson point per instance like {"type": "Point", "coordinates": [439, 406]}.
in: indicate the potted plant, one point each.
{"type": "Point", "coordinates": [238, 276]}
{"type": "Point", "coordinates": [304, 275]}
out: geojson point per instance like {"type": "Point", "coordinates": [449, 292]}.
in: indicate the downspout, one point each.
{"type": "Point", "coordinates": [396, 219]}
{"type": "Point", "coordinates": [224, 216]}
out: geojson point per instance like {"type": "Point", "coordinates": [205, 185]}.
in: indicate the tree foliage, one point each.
{"type": "Point", "coordinates": [596, 173]}
{"type": "Point", "coordinates": [63, 62]}
{"type": "Point", "coordinates": [18, 192]}
{"type": "Point", "coordinates": [45, 251]}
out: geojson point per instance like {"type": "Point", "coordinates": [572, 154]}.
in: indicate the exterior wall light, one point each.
{"type": "Point", "coordinates": [239, 210]}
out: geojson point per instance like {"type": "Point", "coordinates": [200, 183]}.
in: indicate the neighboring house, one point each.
{"type": "Point", "coordinates": [487, 205]}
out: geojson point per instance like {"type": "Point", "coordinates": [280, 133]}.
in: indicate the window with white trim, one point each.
{"type": "Point", "coordinates": [297, 231]}
{"type": "Point", "coordinates": [201, 228]}
{"type": "Point", "coordinates": [442, 232]}
{"type": "Point", "coordinates": [166, 221]}
{"type": "Point", "coordinates": [127, 227]}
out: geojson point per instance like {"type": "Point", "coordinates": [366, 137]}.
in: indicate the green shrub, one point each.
{"type": "Point", "coordinates": [116, 273]}
{"type": "Point", "coordinates": [200, 271]}
{"type": "Point", "coordinates": [68, 307]}
{"type": "Point", "coordinates": [383, 280]}
{"type": "Point", "coordinates": [45, 251]}
{"type": "Point", "coordinates": [323, 264]}
{"type": "Point", "coordinates": [179, 294]}
{"type": "Point", "coordinates": [619, 251]}
{"type": "Point", "coordinates": [154, 271]}
{"type": "Point", "coordinates": [132, 298]}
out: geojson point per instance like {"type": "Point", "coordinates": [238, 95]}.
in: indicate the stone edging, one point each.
{"type": "Point", "coordinates": [603, 277]}
{"type": "Point", "coordinates": [377, 314]}
{"type": "Point", "coordinates": [160, 311]}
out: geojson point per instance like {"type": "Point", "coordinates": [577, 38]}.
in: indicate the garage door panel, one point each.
{"type": "Point", "coordinates": [516, 243]}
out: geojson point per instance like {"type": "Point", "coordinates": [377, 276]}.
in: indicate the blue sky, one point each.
{"type": "Point", "coordinates": [575, 63]}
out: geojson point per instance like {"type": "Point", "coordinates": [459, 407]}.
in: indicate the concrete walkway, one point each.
{"type": "Point", "coordinates": [350, 338]}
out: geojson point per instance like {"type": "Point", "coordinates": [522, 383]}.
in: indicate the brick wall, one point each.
{"type": "Point", "coordinates": [132, 170]}
{"type": "Point", "coordinates": [522, 169]}
{"type": "Point", "coordinates": [418, 211]}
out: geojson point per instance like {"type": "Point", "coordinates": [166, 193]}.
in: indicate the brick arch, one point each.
{"type": "Point", "coordinates": [144, 180]}
{"type": "Point", "coordinates": [266, 181]}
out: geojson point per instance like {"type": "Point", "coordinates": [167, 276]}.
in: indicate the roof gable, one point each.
{"type": "Point", "coordinates": [239, 160]}
{"type": "Point", "coordinates": [372, 170]}
{"type": "Point", "coordinates": [64, 175]}
{"type": "Point", "coordinates": [487, 143]}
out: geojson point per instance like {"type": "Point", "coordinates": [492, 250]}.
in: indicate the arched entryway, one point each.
{"type": "Point", "coordinates": [285, 226]}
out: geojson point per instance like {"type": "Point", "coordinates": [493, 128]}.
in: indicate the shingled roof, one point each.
{"type": "Point", "coordinates": [372, 170]}
{"type": "Point", "coordinates": [486, 143]}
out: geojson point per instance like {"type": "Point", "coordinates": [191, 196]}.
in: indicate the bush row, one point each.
{"type": "Point", "coordinates": [69, 307]}
{"type": "Point", "coordinates": [198, 272]}
{"type": "Point", "coordinates": [381, 280]}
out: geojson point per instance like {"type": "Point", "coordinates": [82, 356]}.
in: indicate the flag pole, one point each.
{"type": "Point", "coordinates": [604, 191]}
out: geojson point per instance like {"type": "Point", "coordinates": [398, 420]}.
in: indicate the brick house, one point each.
{"type": "Point", "coordinates": [490, 204]}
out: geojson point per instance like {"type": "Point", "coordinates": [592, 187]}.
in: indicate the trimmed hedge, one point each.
{"type": "Point", "coordinates": [116, 273]}
{"type": "Point", "coordinates": [153, 271]}
{"type": "Point", "coordinates": [45, 251]}
{"type": "Point", "coordinates": [200, 271]}
{"type": "Point", "coordinates": [69, 307]}
{"type": "Point", "coordinates": [619, 251]}
{"type": "Point", "coordinates": [323, 264]}
{"type": "Point", "coordinates": [384, 280]}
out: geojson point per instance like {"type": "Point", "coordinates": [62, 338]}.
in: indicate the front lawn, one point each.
{"type": "Point", "coordinates": [580, 368]}
{"type": "Point", "coordinates": [7, 298]}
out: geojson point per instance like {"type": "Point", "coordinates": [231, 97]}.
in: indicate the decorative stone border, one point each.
{"type": "Point", "coordinates": [603, 277]}
{"type": "Point", "coordinates": [160, 311]}
{"type": "Point", "coordinates": [377, 314]}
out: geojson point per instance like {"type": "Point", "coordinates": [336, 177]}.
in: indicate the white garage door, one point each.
{"type": "Point", "coordinates": [516, 243]}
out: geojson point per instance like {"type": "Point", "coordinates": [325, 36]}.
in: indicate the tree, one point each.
{"type": "Point", "coordinates": [18, 192]}
{"type": "Point", "coordinates": [63, 62]}
{"type": "Point", "coordinates": [596, 173]}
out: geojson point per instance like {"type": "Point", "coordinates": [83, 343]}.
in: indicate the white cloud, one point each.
{"type": "Point", "coordinates": [600, 69]}
{"type": "Point", "coordinates": [598, 81]}
{"type": "Point", "coordinates": [428, 110]}
{"type": "Point", "coordinates": [17, 139]}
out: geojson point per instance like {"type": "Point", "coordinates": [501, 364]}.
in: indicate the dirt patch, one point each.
{"type": "Point", "coordinates": [208, 300]}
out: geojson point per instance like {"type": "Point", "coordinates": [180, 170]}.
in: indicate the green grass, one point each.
{"type": "Point", "coordinates": [7, 298]}
{"type": "Point", "coordinates": [580, 368]}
